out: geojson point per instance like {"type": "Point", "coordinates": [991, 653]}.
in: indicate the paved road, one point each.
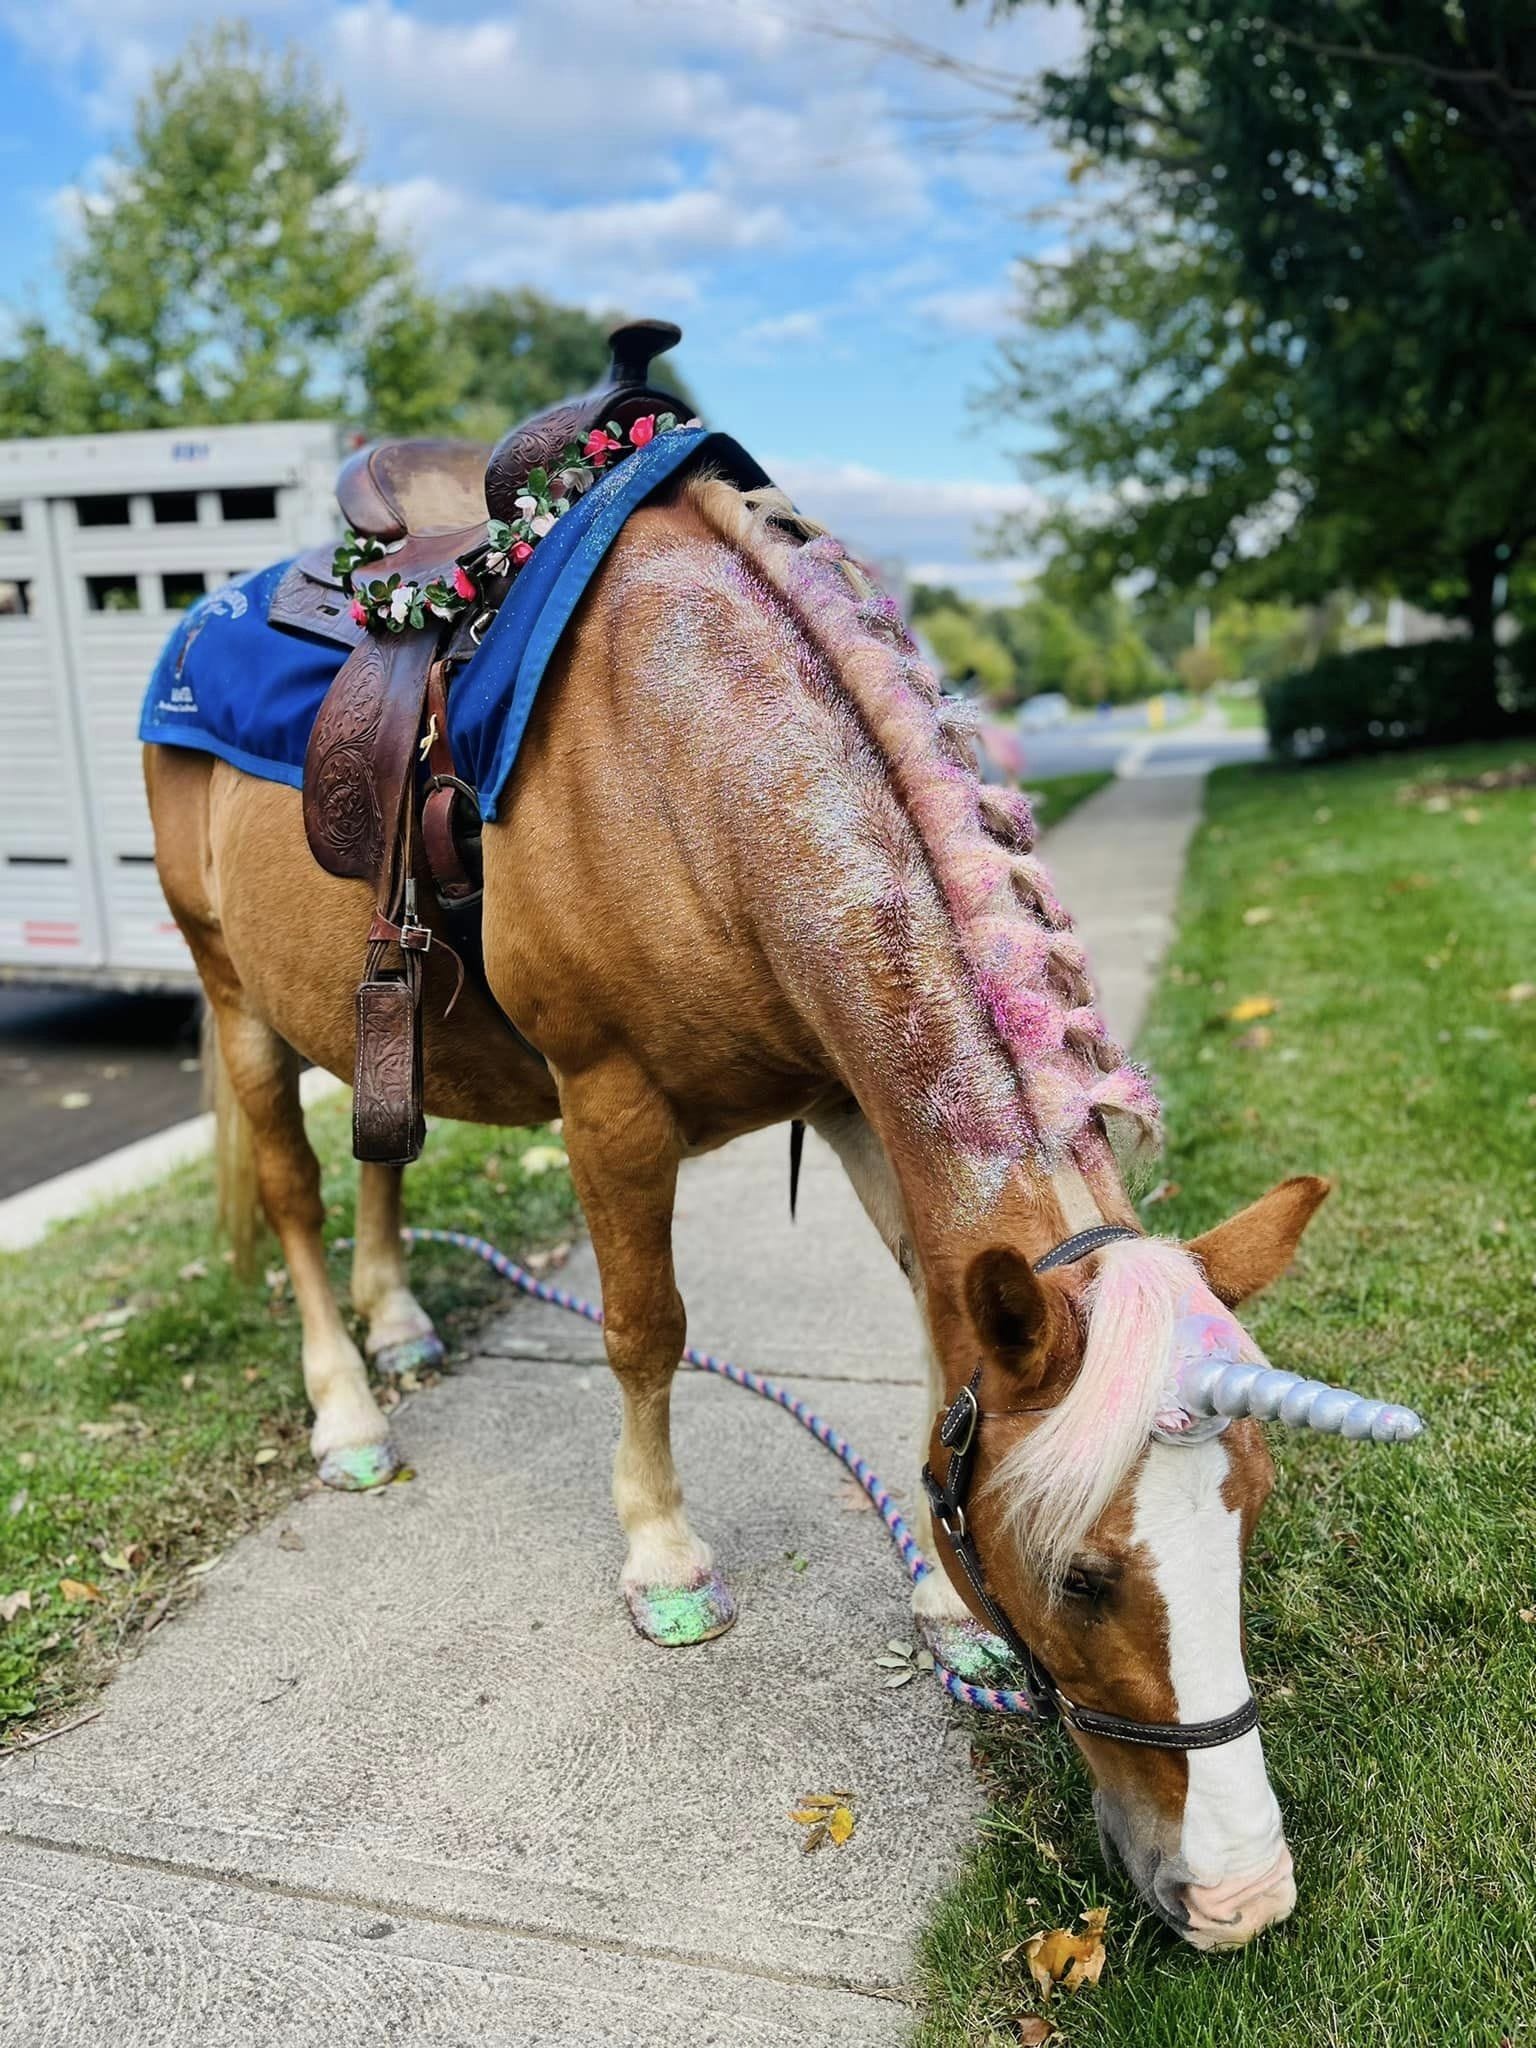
{"type": "Point", "coordinates": [1123, 744]}
{"type": "Point", "coordinates": [82, 1074]}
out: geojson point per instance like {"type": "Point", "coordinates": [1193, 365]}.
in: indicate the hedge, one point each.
{"type": "Point", "coordinates": [1439, 690]}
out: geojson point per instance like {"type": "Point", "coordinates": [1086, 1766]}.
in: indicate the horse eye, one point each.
{"type": "Point", "coordinates": [1085, 1585]}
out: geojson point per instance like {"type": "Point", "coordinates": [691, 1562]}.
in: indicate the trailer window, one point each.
{"type": "Point", "coordinates": [101, 511]}
{"type": "Point", "coordinates": [10, 519]}
{"type": "Point", "coordinates": [249, 504]}
{"type": "Point", "coordinates": [15, 600]}
{"type": "Point", "coordinates": [180, 592]}
{"type": "Point", "coordinates": [174, 508]}
{"type": "Point", "coordinates": [112, 593]}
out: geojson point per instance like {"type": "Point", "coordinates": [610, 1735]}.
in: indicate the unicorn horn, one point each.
{"type": "Point", "coordinates": [1217, 1386]}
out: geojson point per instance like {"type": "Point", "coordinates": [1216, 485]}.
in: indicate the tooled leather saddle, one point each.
{"type": "Point", "coordinates": [382, 803]}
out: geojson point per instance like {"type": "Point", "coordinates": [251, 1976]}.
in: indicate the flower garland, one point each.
{"type": "Point", "coordinates": [391, 603]}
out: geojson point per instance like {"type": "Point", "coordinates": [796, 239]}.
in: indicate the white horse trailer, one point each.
{"type": "Point", "coordinates": [103, 539]}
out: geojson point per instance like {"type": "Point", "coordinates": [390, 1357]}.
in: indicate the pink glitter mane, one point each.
{"type": "Point", "coordinates": [1025, 968]}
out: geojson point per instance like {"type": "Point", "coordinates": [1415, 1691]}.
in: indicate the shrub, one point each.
{"type": "Point", "coordinates": [1437, 691]}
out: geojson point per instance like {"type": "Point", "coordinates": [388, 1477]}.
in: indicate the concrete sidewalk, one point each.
{"type": "Point", "coordinates": [404, 1772]}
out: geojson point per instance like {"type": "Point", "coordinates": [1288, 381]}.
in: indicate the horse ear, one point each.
{"type": "Point", "coordinates": [1010, 1310]}
{"type": "Point", "coordinates": [1244, 1254]}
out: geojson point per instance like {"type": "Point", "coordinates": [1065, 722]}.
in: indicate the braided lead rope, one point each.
{"type": "Point", "coordinates": [991, 1699]}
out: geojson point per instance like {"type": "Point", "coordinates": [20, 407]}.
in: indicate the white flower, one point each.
{"type": "Point", "coordinates": [400, 603]}
{"type": "Point", "coordinates": [526, 504]}
{"type": "Point", "coordinates": [693, 423]}
{"type": "Point", "coordinates": [540, 526]}
{"type": "Point", "coordinates": [574, 481]}
{"type": "Point", "coordinates": [496, 562]}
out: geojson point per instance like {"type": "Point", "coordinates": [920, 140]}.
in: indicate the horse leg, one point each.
{"type": "Point", "coordinates": [623, 1150]}
{"type": "Point", "coordinates": [944, 1624]}
{"type": "Point", "coordinates": [350, 1437]}
{"type": "Point", "coordinates": [400, 1333]}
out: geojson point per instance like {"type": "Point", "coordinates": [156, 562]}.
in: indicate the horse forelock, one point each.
{"type": "Point", "coordinates": [1023, 973]}
{"type": "Point", "coordinates": [1053, 1486]}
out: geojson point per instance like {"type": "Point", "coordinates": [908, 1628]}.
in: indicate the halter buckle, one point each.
{"type": "Point", "coordinates": [958, 1429]}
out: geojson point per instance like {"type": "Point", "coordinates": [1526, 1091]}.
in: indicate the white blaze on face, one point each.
{"type": "Point", "coordinates": [1232, 1827]}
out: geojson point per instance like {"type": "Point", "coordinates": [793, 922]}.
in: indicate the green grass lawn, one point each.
{"type": "Point", "coordinates": [1054, 796]}
{"type": "Point", "coordinates": [1392, 1593]}
{"type": "Point", "coordinates": [1242, 714]}
{"type": "Point", "coordinates": [153, 1405]}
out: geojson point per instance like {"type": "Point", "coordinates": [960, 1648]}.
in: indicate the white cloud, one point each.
{"type": "Point", "coordinates": [970, 309]}
{"type": "Point", "coordinates": [934, 526]}
{"type": "Point", "coordinates": [637, 250]}
{"type": "Point", "coordinates": [783, 328]}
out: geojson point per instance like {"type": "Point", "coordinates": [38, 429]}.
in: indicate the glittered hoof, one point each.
{"type": "Point", "coordinates": [966, 1648]}
{"type": "Point", "coordinates": [415, 1354]}
{"type": "Point", "coordinates": [360, 1467]}
{"type": "Point", "coordinates": [674, 1615]}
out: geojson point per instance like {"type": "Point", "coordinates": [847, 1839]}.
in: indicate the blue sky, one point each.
{"type": "Point", "coordinates": [839, 257]}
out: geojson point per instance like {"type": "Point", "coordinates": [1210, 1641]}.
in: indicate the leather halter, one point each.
{"type": "Point", "coordinates": [958, 1433]}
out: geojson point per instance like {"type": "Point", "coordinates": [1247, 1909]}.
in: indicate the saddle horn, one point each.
{"type": "Point", "coordinates": [1217, 1386]}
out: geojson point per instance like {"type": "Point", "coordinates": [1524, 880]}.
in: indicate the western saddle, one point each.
{"type": "Point", "coordinates": [381, 799]}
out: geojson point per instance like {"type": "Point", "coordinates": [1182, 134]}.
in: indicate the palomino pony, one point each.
{"type": "Point", "coordinates": [747, 874]}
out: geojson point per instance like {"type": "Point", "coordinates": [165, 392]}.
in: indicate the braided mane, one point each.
{"type": "Point", "coordinates": [1026, 969]}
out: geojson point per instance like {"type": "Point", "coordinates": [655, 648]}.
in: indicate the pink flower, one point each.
{"type": "Point", "coordinates": [598, 444]}
{"type": "Point", "coordinates": [643, 430]}
{"type": "Point", "coordinates": [520, 553]}
{"type": "Point", "coordinates": [359, 612]}
{"type": "Point", "coordinates": [461, 582]}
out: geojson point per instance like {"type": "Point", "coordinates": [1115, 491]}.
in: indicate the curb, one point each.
{"type": "Point", "coordinates": [29, 1216]}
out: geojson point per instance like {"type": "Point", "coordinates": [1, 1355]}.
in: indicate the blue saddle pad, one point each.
{"type": "Point", "coordinates": [230, 684]}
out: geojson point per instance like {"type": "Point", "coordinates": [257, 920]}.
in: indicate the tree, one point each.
{"type": "Point", "coordinates": [229, 270]}
{"type": "Point", "coordinates": [1297, 347]}
{"type": "Point", "coordinates": [968, 653]}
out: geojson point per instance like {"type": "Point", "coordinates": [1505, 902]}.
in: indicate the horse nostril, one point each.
{"type": "Point", "coordinates": [1227, 1914]}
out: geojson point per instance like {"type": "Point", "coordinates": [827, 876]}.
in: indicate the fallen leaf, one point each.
{"type": "Point", "coordinates": [109, 1318]}
{"type": "Point", "coordinates": [1261, 913]}
{"type": "Point", "coordinates": [116, 1561]}
{"type": "Point", "coordinates": [98, 1432]}
{"type": "Point", "coordinates": [251, 1374]}
{"type": "Point", "coordinates": [1251, 1007]}
{"type": "Point", "coordinates": [79, 1589]}
{"type": "Point", "coordinates": [289, 1539]}
{"type": "Point", "coordinates": [814, 1838]}
{"type": "Point", "coordinates": [808, 1816]}
{"type": "Point", "coordinates": [267, 1454]}
{"type": "Point", "coordinates": [840, 1825]}
{"type": "Point", "coordinates": [1471, 815]}
{"type": "Point", "coordinates": [14, 1604]}
{"type": "Point", "coordinates": [18, 1502]}
{"type": "Point", "coordinates": [188, 1382]}
{"type": "Point", "coordinates": [196, 1571]}
{"type": "Point", "coordinates": [901, 1677]}
{"type": "Point", "coordinates": [75, 1098]}
{"type": "Point", "coordinates": [1257, 1038]}
{"type": "Point", "coordinates": [1059, 1956]}
{"type": "Point", "coordinates": [194, 1269]}
{"type": "Point", "coordinates": [1035, 2031]}
{"type": "Point", "coordinates": [1520, 992]}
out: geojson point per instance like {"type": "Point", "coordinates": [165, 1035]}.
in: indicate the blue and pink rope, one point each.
{"type": "Point", "coordinates": [992, 1699]}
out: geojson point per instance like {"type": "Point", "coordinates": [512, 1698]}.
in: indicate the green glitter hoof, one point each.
{"type": "Point", "coordinates": [970, 1651]}
{"type": "Point", "coordinates": [674, 1615]}
{"type": "Point", "coordinates": [416, 1354]}
{"type": "Point", "coordinates": [360, 1467]}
